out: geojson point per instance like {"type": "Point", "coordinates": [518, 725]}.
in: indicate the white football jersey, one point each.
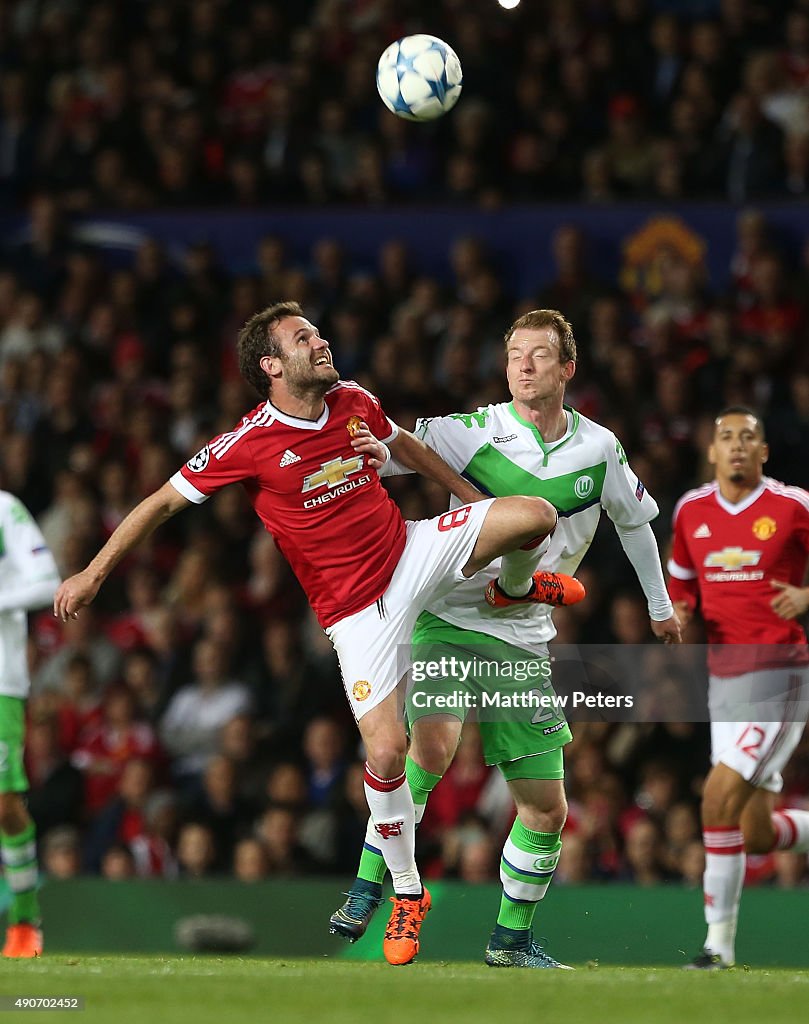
{"type": "Point", "coordinates": [581, 473]}
{"type": "Point", "coordinates": [28, 580]}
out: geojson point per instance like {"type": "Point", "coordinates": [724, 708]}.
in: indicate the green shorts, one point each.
{"type": "Point", "coordinates": [12, 741]}
{"type": "Point", "coordinates": [525, 742]}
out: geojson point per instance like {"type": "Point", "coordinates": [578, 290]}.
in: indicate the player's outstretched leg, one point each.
{"type": "Point", "coordinates": [526, 869]}
{"type": "Point", "coordinates": [518, 528]}
{"type": "Point", "coordinates": [351, 920]}
{"type": "Point", "coordinates": [511, 524]}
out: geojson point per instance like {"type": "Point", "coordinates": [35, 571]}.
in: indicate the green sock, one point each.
{"type": "Point", "coordinates": [19, 856]}
{"type": "Point", "coordinates": [421, 782]}
{"type": "Point", "coordinates": [526, 869]}
{"type": "Point", "coordinates": [372, 865]}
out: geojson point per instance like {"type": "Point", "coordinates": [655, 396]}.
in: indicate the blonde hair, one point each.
{"type": "Point", "coordinates": [552, 318]}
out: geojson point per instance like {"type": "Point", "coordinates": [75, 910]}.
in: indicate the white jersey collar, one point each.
{"type": "Point", "coordinates": [742, 505]}
{"type": "Point", "coordinates": [299, 422]}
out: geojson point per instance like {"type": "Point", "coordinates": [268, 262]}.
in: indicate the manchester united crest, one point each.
{"type": "Point", "coordinates": [764, 527]}
{"type": "Point", "coordinates": [361, 690]}
{"type": "Point", "coordinates": [353, 425]}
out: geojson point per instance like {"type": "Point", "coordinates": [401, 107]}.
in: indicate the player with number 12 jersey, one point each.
{"type": "Point", "coordinates": [724, 556]}
{"type": "Point", "coordinates": [739, 555]}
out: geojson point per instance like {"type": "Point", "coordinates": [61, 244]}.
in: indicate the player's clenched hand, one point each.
{"type": "Point", "coordinates": [668, 630]}
{"type": "Point", "coordinates": [362, 440]}
{"type": "Point", "coordinates": [791, 603]}
{"type": "Point", "coordinates": [73, 594]}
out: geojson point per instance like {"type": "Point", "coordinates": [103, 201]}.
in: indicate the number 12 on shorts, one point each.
{"type": "Point", "coordinates": [751, 740]}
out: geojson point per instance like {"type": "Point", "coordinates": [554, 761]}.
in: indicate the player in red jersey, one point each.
{"type": "Point", "coordinates": [740, 552]}
{"type": "Point", "coordinates": [367, 574]}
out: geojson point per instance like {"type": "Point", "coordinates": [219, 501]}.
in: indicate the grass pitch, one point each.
{"type": "Point", "coordinates": [218, 990]}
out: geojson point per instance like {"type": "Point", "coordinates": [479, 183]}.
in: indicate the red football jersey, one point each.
{"type": "Point", "coordinates": [725, 556]}
{"type": "Point", "coordinates": [327, 510]}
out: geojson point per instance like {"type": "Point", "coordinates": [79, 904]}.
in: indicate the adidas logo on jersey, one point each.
{"type": "Point", "coordinates": [288, 458]}
{"type": "Point", "coordinates": [702, 531]}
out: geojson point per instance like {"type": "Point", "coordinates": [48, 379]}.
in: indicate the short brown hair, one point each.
{"type": "Point", "coordinates": [256, 340]}
{"type": "Point", "coordinates": [539, 318]}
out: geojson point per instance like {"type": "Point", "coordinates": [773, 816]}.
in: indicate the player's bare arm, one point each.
{"type": "Point", "coordinates": [416, 455]}
{"type": "Point", "coordinates": [79, 590]}
{"type": "Point", "coordinates": [790, 602]}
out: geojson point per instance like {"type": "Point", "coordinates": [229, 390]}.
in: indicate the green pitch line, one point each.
{"type": "Point", "coordinates": [218, 990]}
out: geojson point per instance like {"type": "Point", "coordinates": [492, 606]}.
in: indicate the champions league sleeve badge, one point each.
{"type": "Point", "coordinates": [199, 461]}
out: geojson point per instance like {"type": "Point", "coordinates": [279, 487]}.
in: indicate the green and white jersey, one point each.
{"type": "Point", "coordinates": [28, 580]}
{"type": "Point", "coordinates": [582, 473]}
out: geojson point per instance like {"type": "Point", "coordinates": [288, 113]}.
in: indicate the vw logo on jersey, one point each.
{"type": "Point", "coordinates": [583, 486]}
{"type": "Point", "coordinates": [199, 461]}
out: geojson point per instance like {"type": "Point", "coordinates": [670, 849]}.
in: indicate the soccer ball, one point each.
{"type": "Point", "coordinates": [419, 78]}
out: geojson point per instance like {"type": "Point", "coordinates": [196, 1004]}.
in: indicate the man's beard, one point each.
{"type": "Point", "coordinates": [305, 381]}
{"type": "Point", "coordinates": [738, 477]}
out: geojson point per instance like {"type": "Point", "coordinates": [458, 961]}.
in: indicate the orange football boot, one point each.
{"type": "Point", "coordinates": [401, 943]}
{"type": "Point", "coordinates": [23, 941]}
{"type": "Point", "coordinates": [554, 588]}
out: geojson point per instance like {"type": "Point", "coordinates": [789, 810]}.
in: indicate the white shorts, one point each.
{"type": "Point", "coordinates": [777, 701]}
{"type": "Point", "coordinates": [367, 642]}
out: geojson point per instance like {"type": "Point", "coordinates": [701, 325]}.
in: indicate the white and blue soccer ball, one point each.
{"type": "Point", "coordinates": [419, 78]}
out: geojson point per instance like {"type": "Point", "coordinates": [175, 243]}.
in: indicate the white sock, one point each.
{"type": "Point", "coordinates": [517, 568]}
{"type": "Point", "coordinates": [721, 939]}
{"type": "Point", "coordinates": [791, 830]}
{"type": "Point", "coordinates": [394, 829]}
{"type": "Point", "coordinates": [722, 886]}
{"type": "Point", "coordinates": [372, 836]}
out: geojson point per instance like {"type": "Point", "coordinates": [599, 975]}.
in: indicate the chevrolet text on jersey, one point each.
{"type": "Point", "coordinates": [308, 485]}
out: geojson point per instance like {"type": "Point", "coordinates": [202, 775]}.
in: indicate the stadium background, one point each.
{"type": "Point", "coordinates": [166, 169]}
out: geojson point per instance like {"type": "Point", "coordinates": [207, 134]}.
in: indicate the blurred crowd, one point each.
{"type": "Point", "coordinates": [132, 104]}
{"type": "Point", "coordinates": [192, 720]}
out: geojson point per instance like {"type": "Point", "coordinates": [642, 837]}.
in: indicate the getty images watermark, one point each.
{"type": "Point", "coordinates": [607, 682]}
{"type": "Point", "coordinates": [470, 672]}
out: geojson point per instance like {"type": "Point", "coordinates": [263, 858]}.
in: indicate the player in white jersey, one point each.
{"type": "Point", "coordinates": [531, 445]}
{"type": "Point", "coordinates": [28, 580]}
